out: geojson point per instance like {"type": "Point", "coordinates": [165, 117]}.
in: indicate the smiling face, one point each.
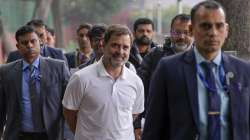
{"type": "Point", "coordinates": [116, 50]}
{"type": "Point", "coordinates": [210, 30]}
{"type": "Point", "coordinates": [29, 47]}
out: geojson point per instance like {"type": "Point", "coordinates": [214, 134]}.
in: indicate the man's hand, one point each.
{"type": "Point", "coordinates": [138, 134]}
{"type": "Point", "coordinates": [71, 118]}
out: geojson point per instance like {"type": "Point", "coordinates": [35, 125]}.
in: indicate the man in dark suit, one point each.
{"type": "Point", "coordinates": [96, 36]}
{"type": "Point", "coordinates": [180, 40]}
{"type": "Point", "coordinates": [201, 94]}
{"type": "Point", "coordinates": [31, 90]}
{"type": "Point", "coordinates": [84, 52]}
{"type": "Point", "coordinates": [46, 51]}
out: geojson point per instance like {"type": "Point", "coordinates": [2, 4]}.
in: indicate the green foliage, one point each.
{"type": "Point", "coordinates": [71, 46]}
{"type": "Point", "coordinates": [16, 13]}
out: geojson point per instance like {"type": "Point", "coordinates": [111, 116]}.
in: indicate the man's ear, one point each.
{"type": "Point", "coordinates": [227, 29]}
{"type": "Point", "coordinates": [191, 29]}
{"type": "Point", "coordinates": [40, 41]}
{"type": "Point", "coordinates": [17, 46]}
{"type": "Point", "coordinates": [153, 34]}
{"type": "Point", "coordinates": [134, 33]}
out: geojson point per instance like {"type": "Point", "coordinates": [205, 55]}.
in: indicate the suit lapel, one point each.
{"type": "Point", "coordinates": [189, 69]}
{"type": "Point", "coordinates": [17, 75]}
{"type": "Point", "coordinates": [75, 59]}
{"type": "Point", "coordinates": [43, 72]}
{"type": "Point", "coordinates": [46, 52]}
{"type": "Point", "coordinates": [234, 94]}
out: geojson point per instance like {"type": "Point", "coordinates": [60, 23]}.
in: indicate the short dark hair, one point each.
{"type": "Point", "coordinates": [50, 30]}
{"type": "Point", "coordinates": [117, 30]}
{"type": "Point", "coordinates": [83, 26]}
{"type": "Point", "coordinates": [208, 4]}
{"type": "Point", "coordinates": [141, 21]}
{"type": "Point", "coordinates": [97, 30]}
{"type": "Point", "coordinates": [36, 23]}
{"type": "Point", "coordinates": [23, 30]}
{"type": "Point", "coordinates": [181, 17]}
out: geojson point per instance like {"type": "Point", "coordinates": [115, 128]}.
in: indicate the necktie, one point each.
{"type": "Point", "coordinates": [35, 101]}
{"type": "Point", "coordinates": [214, 103]}
{"type": "Point", "coordinates": [81, 58]}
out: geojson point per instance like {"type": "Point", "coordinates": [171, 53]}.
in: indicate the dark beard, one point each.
{"type": "Point", "coordinates": [143, 40]}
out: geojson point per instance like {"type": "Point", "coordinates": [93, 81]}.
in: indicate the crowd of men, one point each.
{"type": "Point", "coordinates": [120, 85]}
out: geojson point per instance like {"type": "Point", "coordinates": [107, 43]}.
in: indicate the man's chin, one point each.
{"type": "Point", "coordinates": [181, 47]}
{"type": "Point", "coordinates": [117, 63]}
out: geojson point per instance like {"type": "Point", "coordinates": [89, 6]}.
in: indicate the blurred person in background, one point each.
{"type": "Point", "coordinates": [143, 36]}
{"type": "Point", "coordinates": [84, 52]}
{"type": "Point", "coordinates": [96, 36]}
{"type": "Point", "coordinates": [51, 37]}
{"type": "Point", "coordinates": [40, 29]}
{"type": "Point", "coordinates": [142, 44]}
{"type": "Point", "coordinates": [180, 40]}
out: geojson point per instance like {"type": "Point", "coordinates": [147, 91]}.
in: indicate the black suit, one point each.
{"type": "Point", "coordinates": [173, 106]}
{"type": "Point", "coordinates": [72, 59]}
{"type": "Point", "coordinates": [54, 78]}
{"type": "Point", "coordinates": [149, 63]}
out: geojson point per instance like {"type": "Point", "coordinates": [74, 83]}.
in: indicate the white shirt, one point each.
{"type": "Point", "coordinates": [105, 105]}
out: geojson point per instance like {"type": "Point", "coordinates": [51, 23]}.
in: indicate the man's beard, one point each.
{"type": "Point", "coordinates": [116, 63]}
{"type": "Point", "coordinates": [182, 47]}
{"type": "Point", "coordinates": [143, 40]}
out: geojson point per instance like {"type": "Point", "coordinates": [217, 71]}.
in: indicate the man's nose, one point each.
{"type": "Point", "coordinates": [29, 45]}
{"type": "Point", "coordinates": [100, 42]}
{"type": "Point", "coordinates": [145, 33]}
{"type": "Point", "coordinates": [213, 31]}
{"type": "Point", "coordinates": [182, 35]}
{"type": "Point", "coordinates": [84, 38]}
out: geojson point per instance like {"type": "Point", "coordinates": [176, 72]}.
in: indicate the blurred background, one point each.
{"type": "Point", "coordinates": [65, 15]}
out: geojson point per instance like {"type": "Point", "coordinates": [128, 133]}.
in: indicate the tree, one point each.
{"type": "Point", "coordinates": [92, 11]}
{"type": "Point", "coordinates": [5, 45]}
{"type": "Point", "coordinates": [42, 8]}
{"type": "Point", "coordinates": [238, 17]}
{"type": "Point", "coordinates": [57, 19]}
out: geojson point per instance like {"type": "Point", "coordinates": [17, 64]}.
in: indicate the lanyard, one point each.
{"type": "Point", "coordinates": [221, 75]}
{"type": "Point", "coordinates": [222, 79]}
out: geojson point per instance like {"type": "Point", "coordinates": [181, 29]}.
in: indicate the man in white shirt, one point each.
{"type": "Point", "coordinates": [102, 100]}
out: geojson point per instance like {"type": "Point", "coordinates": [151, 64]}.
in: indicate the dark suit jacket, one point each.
{"type": "Point", "coordinates": [54, 77]}
{"type": "Point", "coordinates": [173, 100]}
{"type": "Point", "coordinates": [149, 64]}
{"type": "Point", "coordinates": [46, 52]}
{"type": "Point", "coordinates": [72, 59]}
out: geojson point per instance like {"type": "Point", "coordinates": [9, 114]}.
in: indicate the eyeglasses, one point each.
{"type": "Point", "coordinates": [97, 39]}
{"type": "Point", "coordinates": [179, 33]}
